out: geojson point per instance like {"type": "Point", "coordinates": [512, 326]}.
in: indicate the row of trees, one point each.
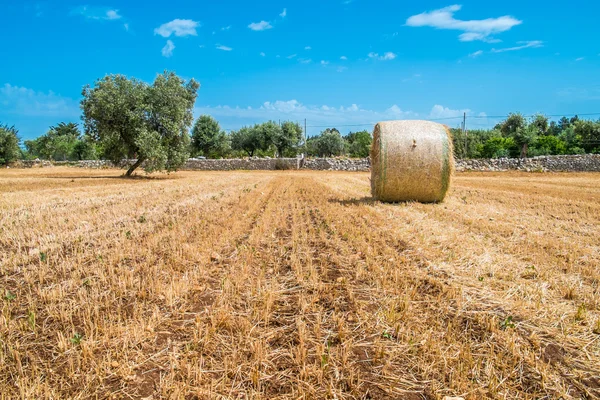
{"type": "Point", "coordinates": [519, 137]}
{"type": "Point", "coordinates": [124, 118]}
{"type": "Point", "coordinates": [273, 139]}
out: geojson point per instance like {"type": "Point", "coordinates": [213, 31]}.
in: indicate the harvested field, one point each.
{"type": "Point", "coordinates": [250, 285]}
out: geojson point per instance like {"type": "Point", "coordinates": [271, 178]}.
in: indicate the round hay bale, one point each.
{"type": "Point", "coordinates": [411, 161]}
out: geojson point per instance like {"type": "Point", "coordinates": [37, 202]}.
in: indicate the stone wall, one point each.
{"type": "Point", "coordinates": [587, 162]}
{"type": "Point", "coordinates": [338, 164]}
{"type": "Point", "coordinates": [581, 163]}
{"type": "Point", "coordinates": [230, 164]}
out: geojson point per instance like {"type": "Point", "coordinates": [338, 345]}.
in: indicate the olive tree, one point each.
{"type": "Point", "coordinates": [9, 144]}
{"type": "Point", "coordinates": [251, 139]}
{"type": "Point", "coordinates": [286, 138]}
{"type": "Point", "coordinates": [208, 139]}
{"type": "Point", "coordinates": [131, 119]}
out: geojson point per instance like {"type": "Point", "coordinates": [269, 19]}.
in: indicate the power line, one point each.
{"type": "Point", "coordinates": [458, 117]}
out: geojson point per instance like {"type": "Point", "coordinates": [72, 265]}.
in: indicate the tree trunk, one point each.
{"type": "Point", "coordinates": [524, 150]}
{"type": "Point", "coordinates": [139, 162]}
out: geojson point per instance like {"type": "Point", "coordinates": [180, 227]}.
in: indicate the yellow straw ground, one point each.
{"type": "Point", "coordinates": [297, 285]}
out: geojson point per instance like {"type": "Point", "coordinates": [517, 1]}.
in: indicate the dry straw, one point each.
{"type": "Point", "coordinates": [411, 161]}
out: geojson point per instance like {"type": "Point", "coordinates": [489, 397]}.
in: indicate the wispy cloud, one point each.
{"type": "Point", "coordinates": [235, 117]}
{"type": "Point", "coordinates": [262, 54]}
{"type": "Point", "coordinates": [304, 60]}
{"type": "Point", "coordinates": [226, 28]}
{"type": "Point", "coordinates": [291, 56]}
{"type": "Point", "coordinates": [343, 58]}
{"type": "Point", "coordinates": [384, 57]}
{"type": "Point", "coordinates": [224, 48]}
{"type": "Point", "coordinates": [481, 29]}
{"type": "Point", "coordinates": [97, 13]}
{"type": "Point", "coordinates": [523, 45]}
{"type": "Point", "coordinates": [341, 69]}
{"type": "Point", "coordinates": [260, 26]}
{"type": "Point", "coordinates": [323, 62]}
{"type": "Point", "coordinates": [476, 54]}
{"type": "Point", "coordinates": [167, 51]}
{"type": "Point", "coordinates": [580, 59]}
{"type": "Point", "coordinates": [29, 103]}
{"type": "Point", "coordinates": [283, 13]}
{"type": "Point", "coordinates": [439, 111]}
{"type": "Point", "coordinates": [308, 48]}
{"type": "Point", "coordinates": [178, 27]}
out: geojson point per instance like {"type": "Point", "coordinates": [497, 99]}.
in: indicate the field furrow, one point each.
{"type": "Point", "coordinates": [287, 285]}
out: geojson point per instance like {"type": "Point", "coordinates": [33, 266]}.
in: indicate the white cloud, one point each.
{"type": "Point", "coordinates": [202, 46]}
{"type": "Point", "coordinates": [167, 51]}
{"type": "Point", "coordinates": [440, 112]}
{"type": "Point", "coordinates": [126, 26]}
{"type": "Point", "coordinates": [179, 27]}
{"type": "Point", "coordinates": [291, 56]}
{"type": "Point", "coordinates": [113, 14]}
{"type": "Point", "coordinates": [97, 13]}
{"type": "Point", "coordinates": [476, 54]}
{"type": "Point", "coordinates": [523, 45]}
{"type": "Point", "coordinates": [262, 54]}
{"type": "Point", "coordinates": [226, 28]}
{"type": "Point", "coordinates": [481, 29]}
{"type": "Point", "coordinates": [235, 117]}
{"type": "Point", "coordinates": [304, 60]}
{"type": "Point", "coordinates": [343, 58]}
{"type": "Point", "coordinates": [341, 69]}
{"type": "Point", "coordinates": [27, 102]}
{"type": "Point", "coordinates": [224, 48]}
{"type": "Point", "coordinates": [580, 59]}
{"type": "Point", "coordinates": [323, 62]}
{"type": "Point", "coordinates": [260, 26]}
{"type": "Point", "coordinates": [283, 13]}
{"type": "Point", "coordinates": [308, 48]}
{"type": "Point", "coordinates": [385, 57]}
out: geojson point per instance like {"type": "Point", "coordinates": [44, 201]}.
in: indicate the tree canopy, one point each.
{"type": "Point", "coordinates": [329, 143]}
{"type": "Point", "coordinates": [359, 143]}
{"type": "Point", "coordinates": [9, 144]}
{"type": "Point", "coordinates": [131, 119]}
{"type": "Point", "coordinates": [208, 139]}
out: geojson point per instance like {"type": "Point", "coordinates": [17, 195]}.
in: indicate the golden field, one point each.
{"type": "Point", "coordinates": [296, 285]}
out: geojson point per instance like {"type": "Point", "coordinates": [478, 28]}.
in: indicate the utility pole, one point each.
{"type": "Point", "coordinates": [465, 134]}
{"type": "Point", "coordinates": [305, 131]}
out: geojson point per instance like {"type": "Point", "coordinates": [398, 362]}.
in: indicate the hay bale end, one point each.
{"type": "Point", "coordinates": [411, 161]}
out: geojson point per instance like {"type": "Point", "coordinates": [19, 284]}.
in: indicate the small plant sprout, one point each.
{"type": "Point", "coordinates": [9, 296]}
{"type": "Point", "coordinates": [596, 329]}
{"type": "Point", "coordinates": [76, 339]}
{"type": "Point", "coordinates": [31, 319]}
{"type": "Point", "coordinates": [43, 256]}
{"type": "Point", "coordinates": [507, 323]}
{"type": "Point", "coordinates": [581, 312]}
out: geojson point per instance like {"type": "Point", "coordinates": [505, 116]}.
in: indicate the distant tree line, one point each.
{"type": "Point", "coordinates": [274, 140]}
{"type": "Point", "coordinates": [127, 118]}
{"type": "Point", "coordinates": [518, 136]}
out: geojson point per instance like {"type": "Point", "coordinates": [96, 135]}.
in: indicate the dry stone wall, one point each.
{"type": "Point", "coordinates": [581, 163]}
{"type": "Point", "coordinates": [338, 164]}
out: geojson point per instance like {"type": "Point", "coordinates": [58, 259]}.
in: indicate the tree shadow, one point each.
{"type": "Point", "coordinates": [119, 177]}
{"type": "Point", "coordinates": [370, 201]}
{"type": "Point", "coordinates": [367, 200]}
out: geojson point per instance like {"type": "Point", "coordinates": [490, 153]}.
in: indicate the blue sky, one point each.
{"type": "Point", "coordinates": [345, 63]}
